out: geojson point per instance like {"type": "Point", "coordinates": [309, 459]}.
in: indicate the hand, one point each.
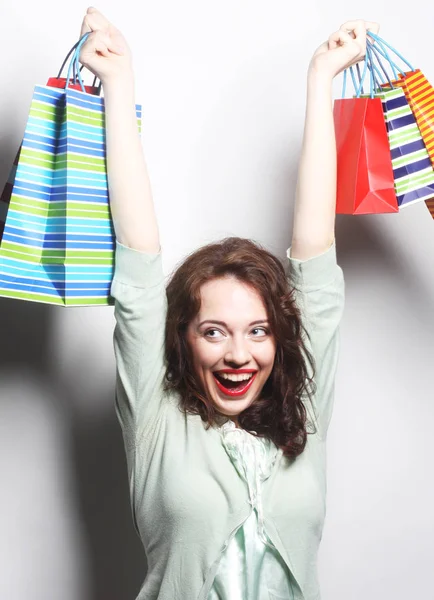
{"type": "Point", "coordinates": [344, 48]}
{"type": "Point", "coordinates": [105, 52]}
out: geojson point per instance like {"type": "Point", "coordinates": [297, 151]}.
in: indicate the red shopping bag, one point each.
{"type": "Point", "coordinates": [365, 183]}
{"type": "Point", "coordinates": [60, 82]}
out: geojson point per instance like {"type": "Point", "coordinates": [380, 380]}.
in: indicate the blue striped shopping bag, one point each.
{"type": "Point", "coordinates": [58, 240]}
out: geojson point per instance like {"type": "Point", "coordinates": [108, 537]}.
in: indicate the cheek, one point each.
{"type": "Point", "coordinates": [267, 355]}
{"type": "Point", "coordinates": [205, 355]}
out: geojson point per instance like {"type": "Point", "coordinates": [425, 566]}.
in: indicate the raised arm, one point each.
{"type": "Point", "coordinates": [138, 285]}
{"type": "Point", "coordinates": [107, 55]}
{"type": "Point", "coordinates": [317, 279]}
{"type": "Point", "coordinates": [315, 203]}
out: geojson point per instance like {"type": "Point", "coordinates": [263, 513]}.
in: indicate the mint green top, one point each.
{"type": "Point", "coordinates": [251, 568]}
{"type": "Point", "coordinates": [187, 498]}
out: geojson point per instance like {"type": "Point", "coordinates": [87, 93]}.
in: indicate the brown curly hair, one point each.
{"type": "Point", "coordinates": [280, 413]}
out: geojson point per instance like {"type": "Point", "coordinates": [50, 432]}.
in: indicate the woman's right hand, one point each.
{"type": "Point", "coordinates": [105, 52]}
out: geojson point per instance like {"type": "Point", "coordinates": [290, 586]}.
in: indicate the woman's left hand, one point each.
{"type": "Point", "coordinates": [344, 48]}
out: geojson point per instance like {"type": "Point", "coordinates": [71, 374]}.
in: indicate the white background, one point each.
{"type": "Point", "coordinates": [222, 87]}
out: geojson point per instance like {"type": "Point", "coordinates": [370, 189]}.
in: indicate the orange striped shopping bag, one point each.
{"type": "Point", "coordinates": [420, 96]}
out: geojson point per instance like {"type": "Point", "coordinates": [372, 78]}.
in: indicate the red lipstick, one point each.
{"type": "Point", "coordinates": [240, 391]}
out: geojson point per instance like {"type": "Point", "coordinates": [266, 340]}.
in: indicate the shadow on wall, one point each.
{"type": "Point", "coordinates": [363, 245]}
{"type": "Point", "coordinates": [117, 559]}
{"type": "Point", "coordinates": [64, 476]}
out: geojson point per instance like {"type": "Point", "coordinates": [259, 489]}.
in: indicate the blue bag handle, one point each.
{"type": "Point", "coordinates": [375, 75]}
{"type": "Point", "coordinates": [383, 44]}
{"type": "Point", "coordinates": [59, 74]}
{"type": "Point", "coordinates": [360, 90]}
{"type": "Point", "coordinates": [373, 53]}
{"type": "Point", "coordinates": [384, 53]}
{"type": "Point", "coordinates": [379, 76]}
{"type": "Point", "coordinates": [74, 66]}
{"type": "Point", "coordinates": [344, 86]}
{"type": "Point", "coordinates": [358, 87]}
{"type": "Point", "coordinates": [74, 63]}
{"type": "Point", "coordinates": [371, 66]}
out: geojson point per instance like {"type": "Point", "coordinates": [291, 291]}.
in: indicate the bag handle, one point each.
{"type": "Point", "coordinates": [369, 66]}
{"type": "Point", "coordinates": [59, 74]}
{"type": "Point", "coordinates": [373, 53]}
{"type": "Point", "coordinates": [383, 45]}
{"type": "Point", "coordinates": [74, 64]}
{"type": "Point", "coordinates": [358, 87]}
{"type": "Point", "coordinates": [375, 85]}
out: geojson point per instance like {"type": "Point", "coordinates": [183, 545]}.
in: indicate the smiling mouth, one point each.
{"type": "Point", "coordinates": [234, 389]}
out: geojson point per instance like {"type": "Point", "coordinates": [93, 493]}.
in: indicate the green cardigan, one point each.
{"type": "Point", "coordinates": [187, 498]}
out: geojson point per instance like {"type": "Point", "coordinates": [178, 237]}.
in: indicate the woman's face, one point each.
{"type": "Point", "coordinates": [232, 346]}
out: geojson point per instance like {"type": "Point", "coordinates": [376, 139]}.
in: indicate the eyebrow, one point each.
{"type": "Point", "coordinates": [223, 324]}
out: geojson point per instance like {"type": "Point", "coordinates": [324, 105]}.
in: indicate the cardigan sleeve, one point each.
{"type": "Point", "coordinates": [320, 293]}
{"type": "Point", "coordinates": [138, 288]}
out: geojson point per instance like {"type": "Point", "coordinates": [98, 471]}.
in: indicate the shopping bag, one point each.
{"type": "Point", "coordinates": [412, 169]}
{"type": "Point", "coordinates": [365, 183]}
{"type": "Point", "coordinates": [6, 194]}
{"type": "Point", "coordinates": [58, 240]}
{"type": "Point", "coordinates": [430, 206]}
{"type": "Point", "coordinates": [419, 94]}
{"type": "Point", "coordinates": [5, 197]}
{"type": "Point", "coordinates": [58, 82]}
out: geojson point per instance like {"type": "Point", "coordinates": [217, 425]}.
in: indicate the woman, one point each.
{"type": "Point", "coordinates": [216, 391]}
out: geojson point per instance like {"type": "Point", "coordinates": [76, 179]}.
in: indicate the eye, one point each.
{"type": "Point", "coordinates": [260, 332]}
{"type": "Point", "coordinates": [213, 334]}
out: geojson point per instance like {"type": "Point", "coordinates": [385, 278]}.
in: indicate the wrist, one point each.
{"type": "Point", "coordinates": [317, 76]}
{"type": "Point", "coordinates": [121, 82]}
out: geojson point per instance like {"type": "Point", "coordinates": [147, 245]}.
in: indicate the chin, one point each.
{"type": "Point", "coordinates": [232, 408]}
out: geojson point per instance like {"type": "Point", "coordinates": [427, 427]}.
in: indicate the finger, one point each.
{"type": "Point", "coordinates": [360, 25]}
{"type": "Point", "coordinates": [372, 26]}
{"type": "Point", "coordinates": [100, 43]}
{"type": "Point", "coordinates": [356, 29]}
{"type": "Point", "coordinates": [96, 14]}
{"type": "Point", "coordinates": [340, 38]}
{"type": "Point", "coordinates": [93, 21]}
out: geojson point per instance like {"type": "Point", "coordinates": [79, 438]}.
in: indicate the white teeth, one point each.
{"type": "Point", "coordinates": [235, 377]}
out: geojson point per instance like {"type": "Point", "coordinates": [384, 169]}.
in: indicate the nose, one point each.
{"type": "Point", "coordinates": [237, 352]}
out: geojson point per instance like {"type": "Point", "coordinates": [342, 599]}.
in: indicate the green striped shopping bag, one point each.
{"type": "Point", "coordinates": [58, 240]}
{"type": "Point", "coordinates": [412, 169]}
